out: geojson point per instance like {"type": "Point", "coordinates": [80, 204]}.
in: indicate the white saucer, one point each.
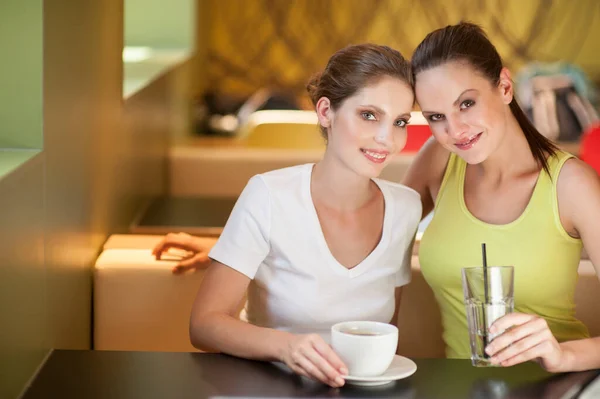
{"type": "Point", "coordinates": [401, 367]}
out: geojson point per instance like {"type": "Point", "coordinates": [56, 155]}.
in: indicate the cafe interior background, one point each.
{"type": "Point", "coordinates": [136, 117]}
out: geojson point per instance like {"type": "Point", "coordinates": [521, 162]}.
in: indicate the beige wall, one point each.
{"type": "Point", "coordinates": [102, 158]}
{"type": "Point", "coordinates": [82, 105]}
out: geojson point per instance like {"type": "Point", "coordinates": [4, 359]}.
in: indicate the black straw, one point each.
{"type": "Point", "coordinates": [485, 274]}
{"type": "Point", "coordinates": [485, 295]}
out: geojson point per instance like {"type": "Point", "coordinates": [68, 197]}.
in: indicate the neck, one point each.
{"type": "Point", "coordinates": [336, 186]}
{"type": "Point", "coordinates": [513, 156]}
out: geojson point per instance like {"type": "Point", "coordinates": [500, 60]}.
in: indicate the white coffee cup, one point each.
{"type": "Point", "coordinates": [366, 347]}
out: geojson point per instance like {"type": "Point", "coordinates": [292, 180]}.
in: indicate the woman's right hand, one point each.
{"type": "Point", "coordinates": [197, 255]}
{"type": "Point", "coordinates": [309, 355]}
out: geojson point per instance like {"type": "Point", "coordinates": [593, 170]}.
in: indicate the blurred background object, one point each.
{"type": "Point", "coordinates": [275, 43]}
{"type": "Point", "coordinates": [590, 147]}
{"type": "Point", "coordinates": [559, 99]}
{"type": "Point", "coordinates": [219, 113]}
{"type": "Point", "coordinates": [279, 44]}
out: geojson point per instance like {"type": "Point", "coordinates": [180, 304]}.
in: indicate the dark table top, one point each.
{"type": "Point", "coordinates": [194, 215]}
{"type": "Point", "coordinates": [148, 375]}
{"type": "Point", "coordinates": [201, 216]}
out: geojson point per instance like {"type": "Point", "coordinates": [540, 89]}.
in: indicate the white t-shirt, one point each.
{"type": "Point", "coordinates": [274, 237]}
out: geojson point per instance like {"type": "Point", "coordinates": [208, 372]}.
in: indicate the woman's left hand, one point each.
{"type": "Point", "coordinates": [526, 337]}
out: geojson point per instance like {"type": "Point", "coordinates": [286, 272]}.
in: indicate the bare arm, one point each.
{"type": "Point", "coordinates": [579, 201]}
{"type": "Point", "coordinates": [213, 326]}
{"type": "Point", "coordinates": [579, 207]}
{"type": "Point", "coordinates": [406, 263]}
{"type": "Point", "coordinates": [398, 297]}
{"type": "Point", "coordinates": [426, 172]}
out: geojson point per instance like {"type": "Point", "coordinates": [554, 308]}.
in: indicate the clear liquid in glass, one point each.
{"type": "Point", "coordinates": [480, 317]}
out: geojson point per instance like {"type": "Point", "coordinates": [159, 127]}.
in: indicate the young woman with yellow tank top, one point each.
{"type": "Point", "coordinates": [491, 177]}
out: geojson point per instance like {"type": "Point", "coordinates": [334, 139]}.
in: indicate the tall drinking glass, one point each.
{"type": "Point", "coordinates": [488, 295]}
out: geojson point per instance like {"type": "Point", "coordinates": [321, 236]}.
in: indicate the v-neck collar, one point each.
{"type": "Point", "coordinates": [320, 236]}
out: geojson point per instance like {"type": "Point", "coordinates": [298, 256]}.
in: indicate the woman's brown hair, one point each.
{"type": "Point", "coordinates": [467, 42]}
{"type": "Point", "coordinates": [354, 67]}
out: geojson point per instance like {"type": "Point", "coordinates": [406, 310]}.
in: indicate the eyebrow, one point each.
{"type": "Point", "coordinates": [381, 111]}
{"type": "Point", "coordinates": [461, 94]}
{"type": "Point", "coordinates": [454, 103]}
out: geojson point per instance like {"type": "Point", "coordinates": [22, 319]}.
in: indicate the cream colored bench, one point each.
{"type": "Point", "coordinates": [140, 305]}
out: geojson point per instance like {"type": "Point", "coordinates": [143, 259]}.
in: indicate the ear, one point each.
{"type": "Point", "coordinates": [324, 112]}
{"type": "Point", "coordinates": [505, 85]}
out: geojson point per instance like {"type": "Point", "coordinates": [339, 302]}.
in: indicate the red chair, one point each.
{"type": "Point", "coordinates": [590, 147]}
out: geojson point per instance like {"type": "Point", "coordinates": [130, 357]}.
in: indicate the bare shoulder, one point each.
{"type": "Point", "coordinates": [221, 290]}
{"type": "Point", "coordinates": [578, 189]}
{"type": "Point", "coordinates": [430, 161]}
{"type": "Point", "coordinates": [432, 151]}
{"type": "Point", "coordinates": [426, 172]}
{"type": "Point", "coordinates": [576, 177]}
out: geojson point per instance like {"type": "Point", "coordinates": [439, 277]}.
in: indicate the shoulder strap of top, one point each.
{"type": "Point", "coordinates": [453, 161]}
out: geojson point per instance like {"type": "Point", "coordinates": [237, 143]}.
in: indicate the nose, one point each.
{"type": "Point", "coordinates": [456, 128]}
{"type": "Point", "coordinates": [384, 136]}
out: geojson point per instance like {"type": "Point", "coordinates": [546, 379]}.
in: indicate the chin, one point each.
{"type": "Point", "coordinates": [473, 158]}
{"type": "Point", "coordinates": [373, 171]}
{"type": "Point", "coordinates": [367, 170]}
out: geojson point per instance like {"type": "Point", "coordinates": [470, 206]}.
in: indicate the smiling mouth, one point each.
{"type": "Point", "coordinates": [469, 143]}
{"type": "Point", "coordinates": [375, 156]}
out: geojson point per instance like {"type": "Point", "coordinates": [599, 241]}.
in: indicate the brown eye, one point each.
{"type": "Point", "coordinates": [467, 104]}
{"type": "Point", "coordinates": [436, 117]}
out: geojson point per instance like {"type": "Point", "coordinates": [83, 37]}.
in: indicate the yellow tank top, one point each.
{"type": "Point", "coordinates": [544, 256]}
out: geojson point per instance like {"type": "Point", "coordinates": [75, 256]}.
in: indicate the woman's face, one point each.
{"type": "Point", "coordinates": [466, 112]}
{"type": "Point", "coordinates": [369, 128]}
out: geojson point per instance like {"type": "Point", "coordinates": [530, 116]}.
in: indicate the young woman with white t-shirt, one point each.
{"type": "Point", "coordinates": [316, 244]}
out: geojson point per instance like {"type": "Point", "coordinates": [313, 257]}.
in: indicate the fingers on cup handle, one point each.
{"type": "Point", "coordinates": [315, 371]}
{"type": "Point", "coordinates": [331, 357]}
{"type": "Point", "coordinates": [328, 362]}
{"type": "Point", "coordinates": [330, 372]}
{"type": "Point", "coordinates": [299, 370]}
